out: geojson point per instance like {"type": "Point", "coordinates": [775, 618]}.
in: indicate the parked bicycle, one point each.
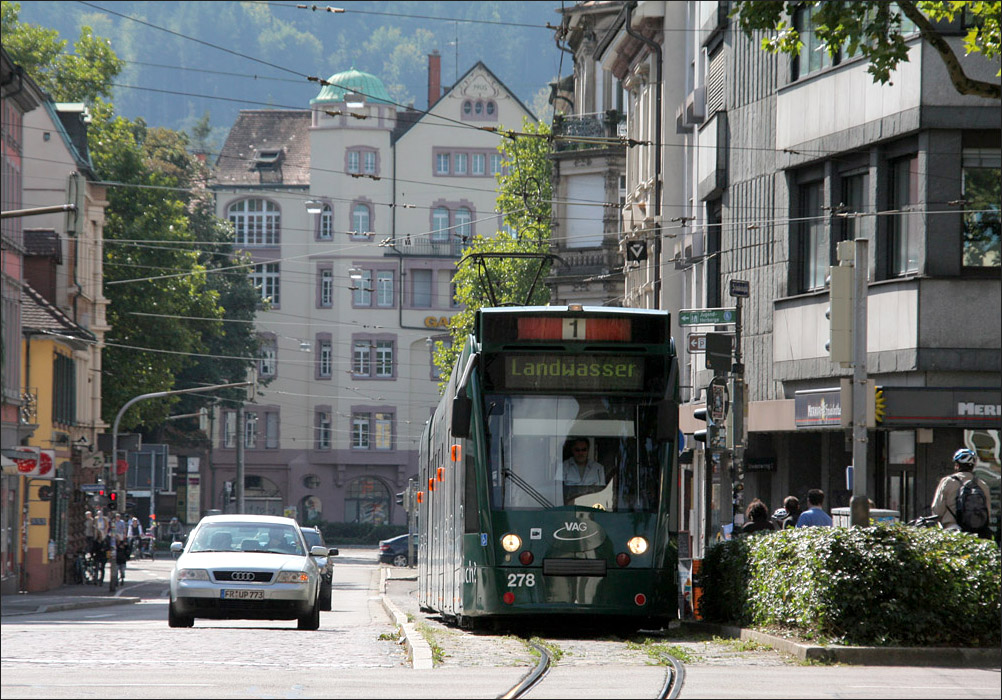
{"type": "Point", "coordinates": [85, 569]}
{"type": "Point", "coordinates": [925, 521]}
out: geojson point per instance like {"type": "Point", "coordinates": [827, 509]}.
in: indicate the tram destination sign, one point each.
{"type": "Point", "coordinates": [707, 317]}
{"type": "Point", "coordinates": [546, 372]}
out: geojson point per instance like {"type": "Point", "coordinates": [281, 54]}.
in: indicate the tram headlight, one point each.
{"type": "Point", "coordinates": [511, 542]}
{"type": "Point", "coordinates": [637, 545]}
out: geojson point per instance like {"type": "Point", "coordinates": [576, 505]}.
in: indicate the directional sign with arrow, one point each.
{"type": "Point", "coordinates": [636, 251]}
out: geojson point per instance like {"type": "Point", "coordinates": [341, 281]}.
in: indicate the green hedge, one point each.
{"type": "Point", "coordinates": [336, 534]}
{"type": "Point", "coordinates": [884, 585]}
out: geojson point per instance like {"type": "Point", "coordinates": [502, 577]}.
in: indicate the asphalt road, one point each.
{"type": "Point", "coordinates": [128, 651]}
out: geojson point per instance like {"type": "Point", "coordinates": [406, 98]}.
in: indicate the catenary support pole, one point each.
{"type": "Point", "coordinates": [860, 504]}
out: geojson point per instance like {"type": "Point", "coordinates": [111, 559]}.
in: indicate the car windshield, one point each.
{"type": "Point", "coordinates": [313, 538]}
{"type": "Point", "coordinates": [247, 537]}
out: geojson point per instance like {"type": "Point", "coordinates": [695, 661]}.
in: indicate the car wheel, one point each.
{"type": "Point", "coordinates": [311, 621]}
{"type": "Point", "coordinates": [175, 620]}
{"type": "Point", "coordinates": [400, 560]}
{"type": "Point", "coordinates": [325, 596]}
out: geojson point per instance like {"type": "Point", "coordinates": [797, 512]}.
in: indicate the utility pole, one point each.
{"type": "Point", "coordinates": [860, 504]}
{"type": "Point", "coordinates": [241, 436]}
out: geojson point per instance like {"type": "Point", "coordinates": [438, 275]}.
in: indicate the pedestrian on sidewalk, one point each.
{"type": "Point", "coordinates": [791, 504]}
{"type": "Point", "coordinates": [89, 531]}
{"type": "Point", "coordinates": [121, 538]}
{"type": "Point", "coordinates": [815, 516]}
{"type": "Point", "coordinates": [756, 518]}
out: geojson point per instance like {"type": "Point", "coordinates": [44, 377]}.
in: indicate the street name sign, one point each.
{"type": "Point", "coordinates": [92, 488]}
{"type": "Point", "coordinates": [707, 317]}
{"type": "Point", "coordinates": [739, 288]}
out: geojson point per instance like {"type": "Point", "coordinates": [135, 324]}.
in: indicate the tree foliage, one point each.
{"type": "Point", "coordinates": [874, 29]}
{"type": "Point", "coordinates": [524, 194]}
{"type": "Point", "coordinates": [81, 76]}
{"type": "Point", "coordinates": [165, 307]}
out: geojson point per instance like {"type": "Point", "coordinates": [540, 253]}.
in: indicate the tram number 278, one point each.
{"type": "Point", "coordinates": [519, 580]}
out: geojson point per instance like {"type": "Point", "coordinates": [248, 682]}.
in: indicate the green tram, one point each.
{"type": "Point", "coordinates": [548, 482]}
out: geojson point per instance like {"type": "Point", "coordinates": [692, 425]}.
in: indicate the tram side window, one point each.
{"type": "Point", "coordinates": [471, 516]}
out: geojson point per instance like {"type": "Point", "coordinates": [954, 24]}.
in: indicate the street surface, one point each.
{"type": "Point", "coordinates": [128, 651]}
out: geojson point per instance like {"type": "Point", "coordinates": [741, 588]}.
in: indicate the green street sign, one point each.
{"type": "Point", "coordinates": [707, 317]}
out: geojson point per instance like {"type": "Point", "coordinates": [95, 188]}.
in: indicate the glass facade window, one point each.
{"type": "Point", "coordinates": [367, 501]}
{"type": "Point", "coordinates": [905, 226]}
{"type": "Point", "coordinates": [325, 359]}
{"type": "Point", "coordinates": [982, 198]}
{"type": "Point", "coordinates": [360, 358]}
{"type": "Point", "coordinates": [324, 430]}
{"type": "Point", "coordinates": [360, 220]}
{"type": "Point", "coordinates": [383, 431]}
{"type": "Point", "coordinates": [421, 296]}
{"type": "Point", "coordinates": [266, 278]}
{"type": "Point", "coordinates": [384, 288]}
{"type": "Point", "coordinates": [360, 431]}
{"type": "Point", "coordinates": [813, 237]}
{"type": "Point", "coordinates": [326, 287]}
{"type": "Point", "coordinates": [361, 293]}
{"type": "Point", "coordinates": [442, 163]}
{"type": "Point", "coordinates": [440, 224]}
{"type": "Point", "coordinates": [384, 358]}
{"type": "Point", "coordinates": [327, 223]}
{"type": "Point", "coordinates": [464, 225]}
{"type": "Point", "coordinates": [256, 222]}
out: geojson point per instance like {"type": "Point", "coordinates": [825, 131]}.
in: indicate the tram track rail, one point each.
{"type": "Point", "coordinates": [672, 687]}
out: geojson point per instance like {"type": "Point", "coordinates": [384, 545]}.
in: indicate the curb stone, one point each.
{"type": "Point", "coordinates": [418, 648]}
{"type": "Point", "coordinates": [860, 655]}
{"type": "Point", "coordinates": [74, 605]}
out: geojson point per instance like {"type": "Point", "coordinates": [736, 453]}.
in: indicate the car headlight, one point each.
{"type": "Point", "coordinates": [292, 577]}
{"type": "Point", "coordinates": [192, 575]}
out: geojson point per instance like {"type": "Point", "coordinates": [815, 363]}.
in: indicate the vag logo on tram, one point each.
{"type": "Point", "coordinates": [574, 531]}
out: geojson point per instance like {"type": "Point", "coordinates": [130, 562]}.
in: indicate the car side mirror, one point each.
{"type": "Point", "coordinates": [318, 551]}
{"type": "Point", "coordinates": [333, 552]}
{"type": "Point", "coordinates": [176, 546]}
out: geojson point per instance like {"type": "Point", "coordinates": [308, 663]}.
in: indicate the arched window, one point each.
{"type": "Point", "coordinates": [367, 501]}
{"type": "Point", "coordinates": [327, 223]}
{"type": "Point", "coordinates": [256, 222]}
{"type": "Point", "coordinates": [360, 219]}
{"type": "Point", "coordinates": [440, 224]}
{"type": "Point", "coordinates": [464, 227]}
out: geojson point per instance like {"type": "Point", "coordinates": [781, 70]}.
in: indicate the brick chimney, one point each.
{"type": "Point", "coordinates": [434, 77]}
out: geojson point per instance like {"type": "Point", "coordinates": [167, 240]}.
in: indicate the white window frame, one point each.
{"type": "Point", "coordinates": [268, 365]}
{"type": "Point", "coordinates": [478, 163]}
{"type": "Point", "coordinates": [369, 162]}
{"type": "Point", "coordinates": [354, 161]}
{"type": "Point", "coordinates": [384, 288]}
{"type": "Point", "coordinates": [442, 163]}
{"type": "Point", "coordinates": [384, 358]}
{"type": "Point", "coordinates": [440, 224]}
{"type": "Point", "coordinates": [324, 430]}
{"type": "Point", "coordinates": [267, 278]}
{"type": "Point", "coordinates": [362, 294]}
{"type": "Point", "coordinates": [250, 430]}
{"type": "Point", "coordinates": [327, 223]}
{"type": "Point", "coordinates": [271, 430]}
{"type": "Point", "coordinates": [360, 219]}
{"type": "Point", "coordinates": [256, 222]}
{"type": "Point", "coordinates": [326, 355]}
{"type": "Point", "coordinates": [230, 429]}
{"type": "Point", "coordinates": [463, 222]}
{"type": "Point", "coordinates": [360, 433]}
{"type": "Point", "coordinates": [495, 163]}
{"type": "Point", "coordinates": [326, 287]}
{"type": "Point", "coordinates": [361, 359]}
{"type": "Point", "coordinates": [382, 432]}
{"type": "Point", "coordinates": [459, 161]}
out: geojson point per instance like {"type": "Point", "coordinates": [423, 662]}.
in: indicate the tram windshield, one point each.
{"type": "Point", "coordinates": [582, 451]}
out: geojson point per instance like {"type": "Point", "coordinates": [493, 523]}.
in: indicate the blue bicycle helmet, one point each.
{"type": "Point", "coordinates": [965, 457]}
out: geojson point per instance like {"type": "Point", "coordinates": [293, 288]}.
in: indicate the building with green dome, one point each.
{"type": "Point", "coordinates": [354, 81]}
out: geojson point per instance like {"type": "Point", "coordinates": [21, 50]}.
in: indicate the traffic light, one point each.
{"type": "Point", "coordinates": [400, 498]}
{"type": "Point", "coordinates": [839, 314]}
{"type": "Point", "coordinates": [879, 404]}
{"type": "Point", "coordinates": [718, 351]}
{"type": "Point", "coordinates": [708, 435]}
{"type": "Point", "coordinates": [112, 500]}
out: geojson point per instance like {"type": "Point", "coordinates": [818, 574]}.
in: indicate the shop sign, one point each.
{"type": "Point", "coordinates": [818, 408]}
{"type": "Point", "coordinates": [950, 407]}
{"type": "Point", "coordinates": [436, 321]}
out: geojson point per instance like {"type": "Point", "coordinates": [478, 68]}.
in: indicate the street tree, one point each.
{"type": "Point", "coordinates": [495, 271]}
{"type": "Point", "coordinates": [81, 76]}
{"type": "Point", "coordinates": [874, 30]}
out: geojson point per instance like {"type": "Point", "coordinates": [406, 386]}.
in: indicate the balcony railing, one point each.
{"type": "Point", "coordinates": [602, 125]}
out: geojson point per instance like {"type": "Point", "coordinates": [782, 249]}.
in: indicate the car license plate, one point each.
{"type": "Point", "coordinates": [241, 594]}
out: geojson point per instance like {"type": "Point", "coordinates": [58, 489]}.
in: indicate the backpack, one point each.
{"type": "Point", "coordinates": [972, 508]}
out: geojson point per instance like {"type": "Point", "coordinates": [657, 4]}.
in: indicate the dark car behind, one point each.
{"type": "Point", "coordinates": [315, 538]}
{"type": "Point", "coordinates": [394, 550]}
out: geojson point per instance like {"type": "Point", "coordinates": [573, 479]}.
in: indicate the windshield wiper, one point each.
{"type": "Point", "coordinates": [527, 487]}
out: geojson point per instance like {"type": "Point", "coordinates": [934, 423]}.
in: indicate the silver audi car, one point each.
{"type": "Point", "coordinates": [249, 567]}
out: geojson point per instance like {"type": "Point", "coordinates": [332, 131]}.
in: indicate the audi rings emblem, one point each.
{"type": "Point", "coordinates": [242, 576]}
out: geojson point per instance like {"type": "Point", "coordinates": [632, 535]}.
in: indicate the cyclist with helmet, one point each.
{"type": "Point", "coordinates": [944, 503]}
